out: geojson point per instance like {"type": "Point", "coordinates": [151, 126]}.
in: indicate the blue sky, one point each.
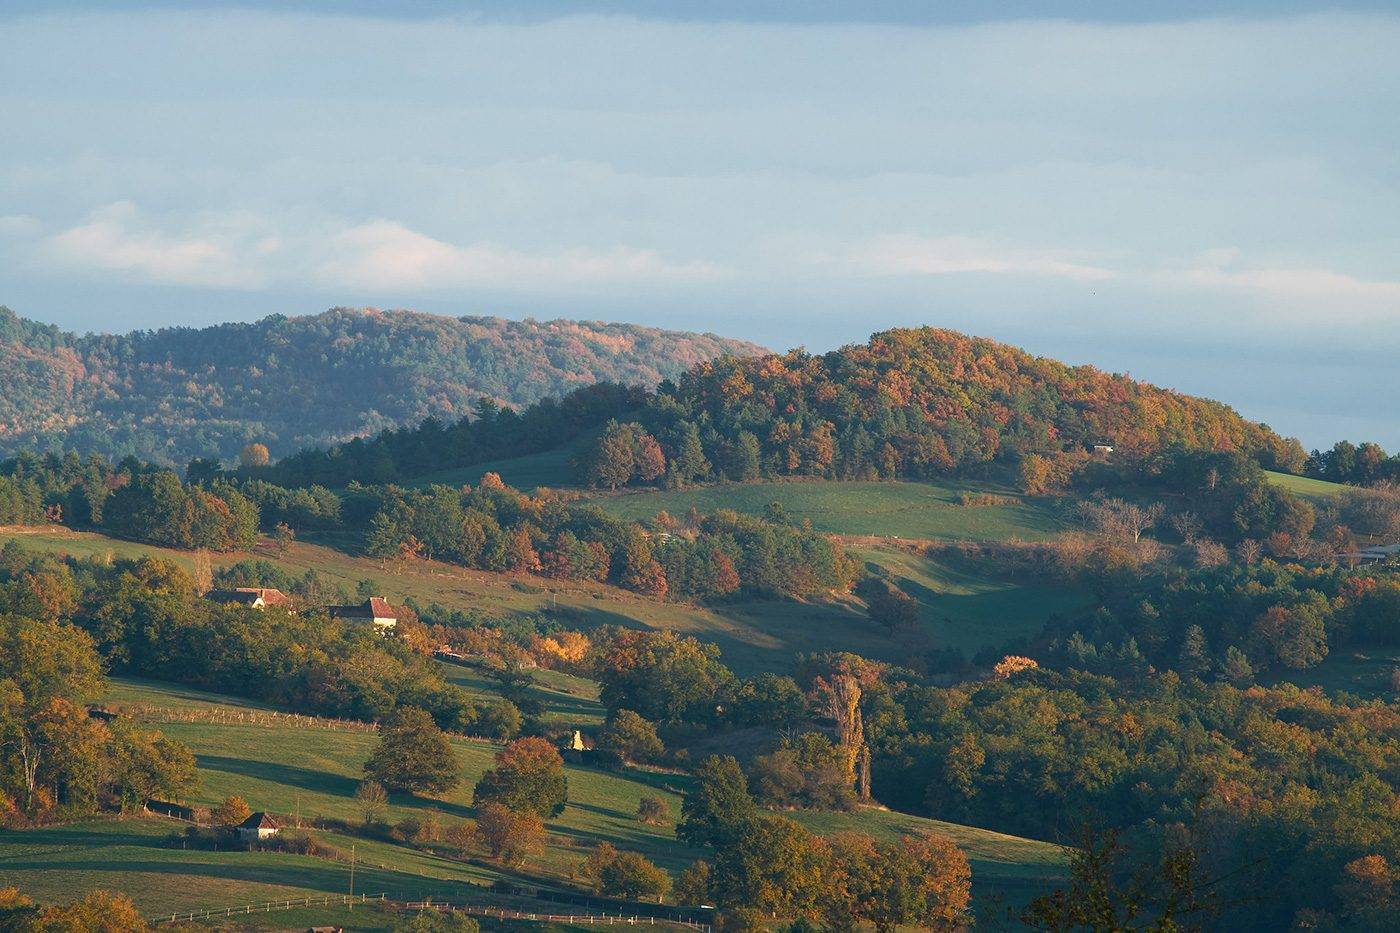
{"type": "Point", "coordinates": [1204, 195]}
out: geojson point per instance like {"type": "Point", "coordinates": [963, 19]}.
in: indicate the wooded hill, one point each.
{"type": "Point", "coordinates": [913, 403]}
{"type": "Point", "coordinates": [170, 395]}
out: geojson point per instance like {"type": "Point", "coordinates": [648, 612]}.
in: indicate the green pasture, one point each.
{"type": "Point", "coordinates": [882, 509]}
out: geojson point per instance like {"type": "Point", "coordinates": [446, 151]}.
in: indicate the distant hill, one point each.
{"type": "Point", "coordinates": [925, 402]}
{"type": "Point", "coordinates": [293, 382]}
{"type": "Point", "coordinates": [920, 403]}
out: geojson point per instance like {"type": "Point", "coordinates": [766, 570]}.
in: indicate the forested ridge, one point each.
{"type": "Point", "coordinates": [169, 395]}
{"type": "Point", "coordinates": [915, 403]}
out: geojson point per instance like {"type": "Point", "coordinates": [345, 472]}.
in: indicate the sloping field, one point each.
{"type": "Point", "coordinates": [549, 468]}
{"type": "Point", "coordinates": [1316, 490]}
{"type": "Point", "coordinates": [313, 772]}
{"type": "Point", "coordinates": [753, 635]}
{"type": "Point", "coordinates": [883, 509]}
{"type": "Point", "coordinates": [1363, 670]}
{"type": "Point", "coordinates": [965, 611]}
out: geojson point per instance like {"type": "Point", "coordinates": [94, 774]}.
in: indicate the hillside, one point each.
{"type": "Point", "coordinates": [286, 769]}
{"type": "Point", "coordinates": [959, 611]}
{"type": "Point", "coordinates": [920, 403]}
{"type": "Point", "coordinates": [292, 382]}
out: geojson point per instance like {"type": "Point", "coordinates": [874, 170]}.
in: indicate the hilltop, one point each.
{"type": "Point", "coordinates": [915, 403]}
{"type": "Point", "coordinates": [290, 382]}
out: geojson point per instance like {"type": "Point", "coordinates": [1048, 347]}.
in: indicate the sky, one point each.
{"type": "Point", "coordinates": [1203, 195]}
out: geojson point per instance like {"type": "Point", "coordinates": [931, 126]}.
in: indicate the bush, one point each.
{"type": "Point", "coordinates": [653, 811]}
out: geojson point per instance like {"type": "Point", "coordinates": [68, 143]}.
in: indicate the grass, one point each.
{"type": "Point", "coordinates": [885, 509]}
{"type": "Point", "coordinates": [567, 700]}
{"type": "Point", "coordinates": [313, 773]}
{"type": "Point", "coordinates": [965, 611]}
{"type": "Point", "coordinates": [753, 635]}
{"type": "Point", "coordinates": [1360, 670]}
{"type": "Point", "coordinates": [1316, 490]}
{"type": "Point", "coordinates": [550, 468]}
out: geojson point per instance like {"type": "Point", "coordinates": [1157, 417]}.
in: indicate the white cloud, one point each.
{"type": "Point", "coordinates": [386, 255]}
{"type": "Point", "coordinates": [951, 255]}
{"type": "Point", "coordinates": [245, 251]}
{"type": "Point", "coordinates": [220, 253]}
{"type": "Point", "coordinates": [1344, 294]}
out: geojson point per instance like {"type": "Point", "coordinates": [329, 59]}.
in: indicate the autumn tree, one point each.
{"type": "Point", "coordinates": [921, 881]}
{"type": "Point", "coordinates": [231, 811]}
{"type": "Point", "coordinates": [653, 811]}
{"type": "Point", "coordinates": [254, 456]}
{"type": "Point", "coordinates": [48, 674]}
{"type": "Point", "coordinates": [528, 776]}
{"type": "Point", "coordinates": [373, 799]}
{"type": "Point", "coordinates": [414, 755]}
{"type": "Point", "coordinates": [512, 836]}
{"type": "Point", "coordinates": [282, 537]}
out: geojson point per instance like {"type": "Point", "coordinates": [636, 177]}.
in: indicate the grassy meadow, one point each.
{"type": "Point", "coordinates": [895, 509]}
{"type": "Point", "coordinates": [1314, 490]}
{"type": "Point", "coordinates": [1364, 671]}
{"type": "Point", "coordinates": [313, 772]}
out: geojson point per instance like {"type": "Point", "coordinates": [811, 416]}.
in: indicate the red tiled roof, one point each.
{"type": "Point", "coordinates": [247, 595]}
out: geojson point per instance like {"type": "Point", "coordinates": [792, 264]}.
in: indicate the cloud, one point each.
{"type": "Point", "coordinates": [386, 255]}
{"type": "Point", "coordinates": [1346, 294]}
{"type": "Point", "coordinates": [222, 253]}
{"type": "Point", "coordinates": [240, 250]}
{"type": "Point", "coordinates": [952, 255]}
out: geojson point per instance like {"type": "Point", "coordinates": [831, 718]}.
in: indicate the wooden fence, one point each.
{"type": "Point", "coordinates": [474, 910]}
{"type": "Point", "coordinates": [267, 907]}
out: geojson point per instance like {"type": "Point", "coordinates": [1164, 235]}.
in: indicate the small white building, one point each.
{"type": "Point", "coordinates": [258, 827]}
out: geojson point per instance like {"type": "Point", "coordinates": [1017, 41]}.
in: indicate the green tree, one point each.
{"type": "Point", "coordinates": [774, 867]}
{"type": "Point", "coordinates": [414, 755]}
{"type": "Point", "coordinates": [146, 766]}
{"type": "Point", "coordinates": [718, 809]}
{"type": "Point", "coordinates": [1235, 667]}
{"type": "Point", "coordinates": [630, 737]}
{"type": "Point", "coordinates": [613, 457]}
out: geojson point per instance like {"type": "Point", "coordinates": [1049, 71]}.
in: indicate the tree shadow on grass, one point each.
{"type": "Point", "coordinates": [322, 782]}
{"type": "Point", "coordinates": [337, 785]}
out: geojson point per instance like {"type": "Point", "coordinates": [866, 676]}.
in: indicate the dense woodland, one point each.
{"type": "Point", "coordinates": [170, 395]}
{"type": "Point", "coordinates": [490, 527]}
{"type": "Point", "coordinates": [911, 403]}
